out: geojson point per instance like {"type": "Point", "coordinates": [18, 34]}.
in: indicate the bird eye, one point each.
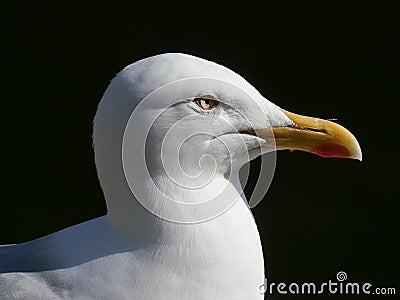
{"type": "Point", "coordinates": [206, 103]}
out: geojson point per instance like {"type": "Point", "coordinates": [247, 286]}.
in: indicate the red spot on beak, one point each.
{"type": "Point", "coordinates": [331, 150]}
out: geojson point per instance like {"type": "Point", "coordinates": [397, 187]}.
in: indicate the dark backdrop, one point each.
{"type": "Point", "coordinates": [324, 59]}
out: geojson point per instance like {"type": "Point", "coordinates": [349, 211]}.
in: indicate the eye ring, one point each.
{"type": "Point", "coordinates": [206, 102]}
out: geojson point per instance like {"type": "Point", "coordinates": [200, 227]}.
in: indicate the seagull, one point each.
{"type": "Point", "coordinates": [170, 135]}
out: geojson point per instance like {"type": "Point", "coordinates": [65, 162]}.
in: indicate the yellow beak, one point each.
{"type": "Point", "coordinates": [321, 137]}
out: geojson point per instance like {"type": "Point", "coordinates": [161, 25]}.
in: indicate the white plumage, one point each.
{"type": "Point", "coordinates": [132, 253]}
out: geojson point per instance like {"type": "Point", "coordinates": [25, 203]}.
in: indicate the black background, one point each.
{"type": "Point", "coordinates": [329, 59]}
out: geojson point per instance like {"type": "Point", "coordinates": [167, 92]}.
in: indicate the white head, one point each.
{"type": "Point", "coordinates": [186, 123]}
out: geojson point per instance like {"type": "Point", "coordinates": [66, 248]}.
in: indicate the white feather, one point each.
{"type": "Point", "coordinates": [131, 253]}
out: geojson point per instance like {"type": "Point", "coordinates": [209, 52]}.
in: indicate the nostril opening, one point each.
{"type": "Point", "coordinates": [316, 130]}
{"type": "Point", "coordinates": [322, 130]}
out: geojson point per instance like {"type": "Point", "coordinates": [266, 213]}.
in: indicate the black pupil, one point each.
{"type": "Point", "coordinates": [207, 102]}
